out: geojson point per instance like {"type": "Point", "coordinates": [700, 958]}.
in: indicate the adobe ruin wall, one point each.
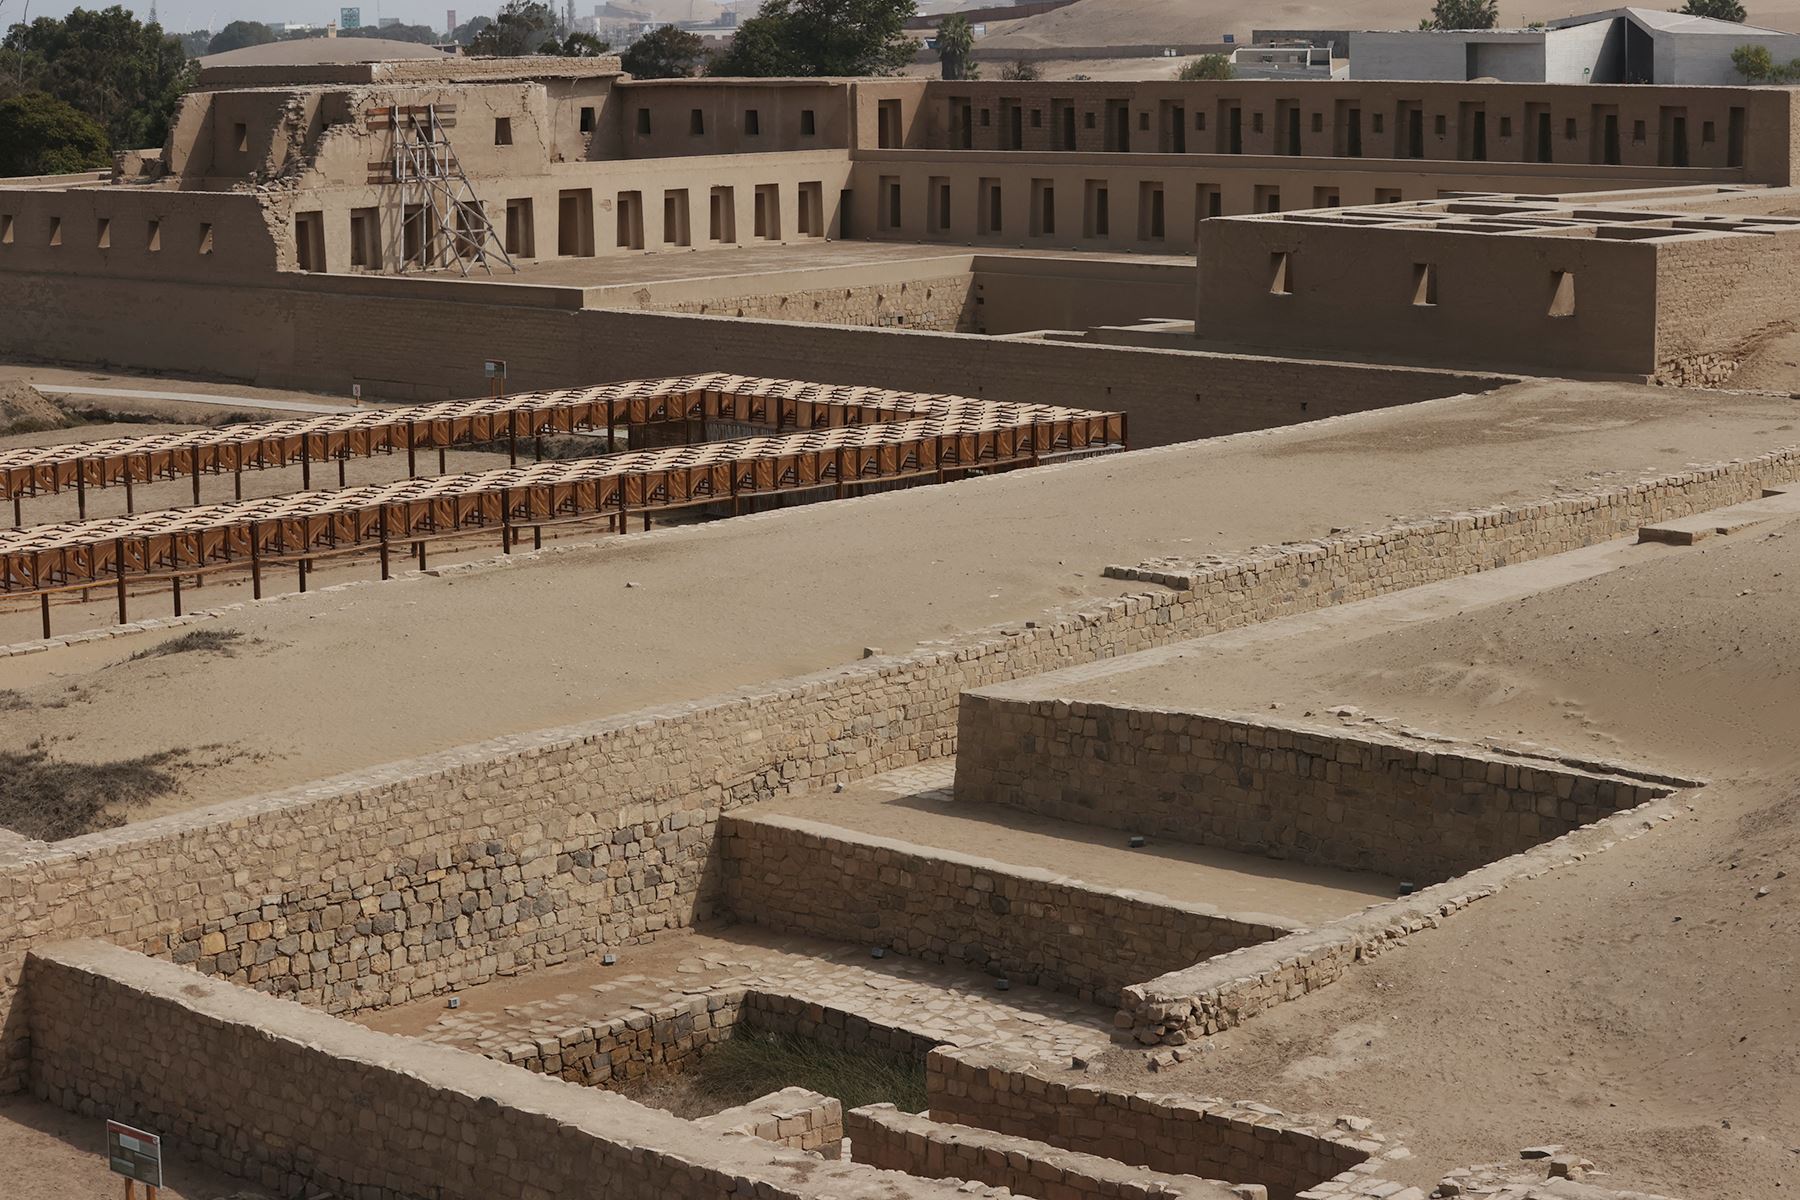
{"type": "Point", "coordinates": [530, 850]}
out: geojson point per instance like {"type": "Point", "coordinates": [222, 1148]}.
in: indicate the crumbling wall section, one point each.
{"type": "Point", "coordinates": [1213, 1139]}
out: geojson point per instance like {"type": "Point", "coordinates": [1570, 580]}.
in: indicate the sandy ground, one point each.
{"type": "Point", "coordinates": [49, 1154]}
{"type": "Point", "coordinates": [1684, 658]}
{"type": "Point", "coordinates": [1139, 22]}
{"type": "Point", "coordinates": [330, 683]}
{"type": "Point", "coordinates": [1638, 1007]}
{"type": "Point", "coordinates": [917, 805]}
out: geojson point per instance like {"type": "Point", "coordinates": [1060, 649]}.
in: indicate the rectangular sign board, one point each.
{"type": "Point", "coordinates": [134, 1154]}
{"type": "Point", "coordinates": [495, 368]}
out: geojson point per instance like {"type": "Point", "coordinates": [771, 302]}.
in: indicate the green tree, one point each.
{"type": "Point", "coordinates": [470, 29]}
{"type": "Point", "coordinates": [1718, 10]}
{"type": "Point", "coordinates": [1754, 63]}
{"type": "Point", "coordinates": [41, 135]}
{"type": "Point", "coordinates": [521, 27]}
{"type": "Point", "coordinates": [122, 74]}
{"type": "Point", "coordinates": [1207, 66]}
{"type": "Point", "coordinates": [576, 45]}
{"type": "Point", "coordinates": [1463, 14]}
{"type": "Point", "coordinates": [195, 43]}
{"type": "Point", "coordinates": [821, 37]}
{"type": "Point", "coordinates": [955, 41]}
{"type": "Point", "coordinates": [665, 53]}
{"type": "Point", "coordinates": [239, 34]}
{"type": "Point", "coordinates": [423, 34]}
{"type": "Point", "coordinates": [1021, 71]}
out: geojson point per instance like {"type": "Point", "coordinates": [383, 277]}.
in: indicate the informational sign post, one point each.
{"type": "Point", "coordinates": [495, 370]}
{"type": "Point", "coordinates": [136, 1155]}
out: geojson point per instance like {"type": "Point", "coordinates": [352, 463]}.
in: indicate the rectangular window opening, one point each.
{"type": "Point", "coordinates": [56, 230]}
{"type": "Point", "coordinates": [752, 122]}
{"type": "Point", "coordinates": [1562, 293]}
{"type": "Point", "coordinates": [1281, 279]}
{"type": "Point", "coordinates": [103, 233]}
{"type": "Point", "coordinates": [152, 234]}
{"type": "Point", "coordinates": [696, 123]}
{"type": "Point", "coordinates": [643, 121]}
{"type": "Point", "coordinates": [6, 229]}
{"type": "Point", "coordinates": [206, 237]}
{"type": "Point", "coordinates": [575, 223]}
{"type": "Point", "coordinates": [1424, 284]}
{"type": "Point", "coordinates": [502, 131]}
{"type": "Point", "coordinates": [809, 124]}
{"type": "Point", "coordinates": [365, 239]}
{"type": "Point", "coordinates": [240, 137]}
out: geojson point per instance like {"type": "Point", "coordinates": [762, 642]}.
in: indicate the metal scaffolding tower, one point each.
{"type": "Point", "coordinates": [442, 224]}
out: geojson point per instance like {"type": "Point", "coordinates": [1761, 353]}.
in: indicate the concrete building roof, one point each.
{"type": "Point", "coordinates": [1658, 21]}
{"type": "Point", "coordinates": [321, 50]}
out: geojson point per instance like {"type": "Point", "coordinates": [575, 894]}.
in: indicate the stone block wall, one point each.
{"type": "Point", "coordinates": [1313, 795]}
{"type": "Point", "coordinates": [800, 876]}
{"type": "Point", "coordinates": [620, 1050]}
{"type": "Point", "coordinates": [1233, 988]}
{"type": "Point", "coordinates": [792, 1117]}
{"type": "Point", "coordinates": [297, 1100]}
{"type": "Point", "coordinates": [1213, 1139]}
{"type": "Point", "coordinates": [624, 1049]}
{"type": "Point", "coordinates": [883, 1136]}
{"type": "Point", "coordinates": [525, 851]}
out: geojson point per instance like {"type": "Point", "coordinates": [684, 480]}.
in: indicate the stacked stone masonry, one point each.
{"type": "Point", "coordinates": [883, 1136]}
{"type": "Point", "coordinates": [792, 1117]}
{"type": "Point", "coordinates": [526, 851]}
{"type": "Point", "coordinates": [1027, 925]}
{"type": "Point", "coordinates": [300, 1101]}
{"type": "Point", "coordinates": [1233, 988]}
{"type": "Point", "coordinates": [1213, 1139]}
{"type": "Point", "coordinates": [665, 1041]}
{"type": "Point", "coordinates": [1303, 793]}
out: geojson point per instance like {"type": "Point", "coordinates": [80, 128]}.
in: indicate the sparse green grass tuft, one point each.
{"type": "Point", "coordinates": [753, 1063]}
{"type": "Point", "coordinates": [205, 641]}
{"type": "Point", "coordinates": [41, 797]}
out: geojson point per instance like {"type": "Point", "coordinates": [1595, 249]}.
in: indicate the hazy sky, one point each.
{"type": "Point", "coordinates": [179, 16]}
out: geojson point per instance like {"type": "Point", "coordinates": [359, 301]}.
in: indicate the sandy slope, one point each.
{"type": "Point", "coordinates": [336, 682]}
{"type": "Point", "coordinates": [1640, 1006]}
{"type": "Point", "coordinates": [1136, 22]}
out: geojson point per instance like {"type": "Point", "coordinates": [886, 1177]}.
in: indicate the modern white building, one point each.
{"type": "Point", "coordinates": [1620, 45]}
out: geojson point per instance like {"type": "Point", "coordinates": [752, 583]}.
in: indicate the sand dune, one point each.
{"type": "Point", "coordinates": [1136, 22]}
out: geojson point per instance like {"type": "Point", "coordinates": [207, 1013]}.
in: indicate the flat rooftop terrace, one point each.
{"type": "Point", "coordinates": [344, 680]}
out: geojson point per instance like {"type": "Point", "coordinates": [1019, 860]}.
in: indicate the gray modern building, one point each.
{"type": "Point", "coordinates": [1620, 45]}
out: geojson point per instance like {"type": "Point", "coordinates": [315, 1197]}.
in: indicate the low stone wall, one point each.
{"type": "Point", "coordinates": [1213, 1139]}
{"type": "Point", "coordinates": [792, 1117]}
{"type": "Point", "coordinates": [297, 1100]}
{"type": "Point", "coordinates": [1231, 989]}
{"type": "Point", "coordinates": [1032, 926]}
{"type": "Point", "coordinates": [525, 851]}
{"type": "Point", "coordinates": [621, 1050]}
{"type": "Point", "coordinates": [883, 1136]}
{"type": "Point", "coordinates": [1314, 795]}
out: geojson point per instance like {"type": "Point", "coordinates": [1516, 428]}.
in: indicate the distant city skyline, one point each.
{"type": "Point", "coordinates": [183, 16]}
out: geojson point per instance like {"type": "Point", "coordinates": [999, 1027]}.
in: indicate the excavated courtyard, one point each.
{"type": "Point", "coordinates": [1356, 823]}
